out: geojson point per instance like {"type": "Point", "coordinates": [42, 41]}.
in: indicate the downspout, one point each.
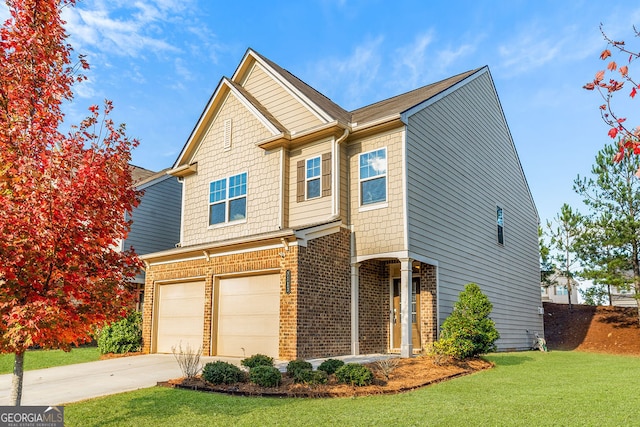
{"type": "Point", "coordinates": [182, 203]}
{"type": "Point", "coordinates": [335, 156]}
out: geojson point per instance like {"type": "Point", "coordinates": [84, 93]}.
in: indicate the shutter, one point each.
{"type": "Point", "coordinates": [326, 174]}
{"type": "Point", "coordinates": [300, 181]}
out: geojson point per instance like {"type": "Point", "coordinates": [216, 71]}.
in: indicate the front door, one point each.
{"type": "Point", "coordinates": [396, 330]}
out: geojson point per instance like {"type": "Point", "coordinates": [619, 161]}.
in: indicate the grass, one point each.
{"type": "Point", "coordinates": [39, 359]}
{"type": "Point", "coordinates": [531, 388]}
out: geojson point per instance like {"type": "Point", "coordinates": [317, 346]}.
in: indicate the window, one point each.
{"type": "Point", "coordinates": [415, 290]}
{"type": "Point", "coordinates": [500, 223]}
{"type": "Point", "coordinates": [228, 199]}
{"type": "Point", "coordinates": [561, 290]}
{"type": "Point", "coordinates": [373, 177]}
{"type": "Point", "coordinates": [312, 178]}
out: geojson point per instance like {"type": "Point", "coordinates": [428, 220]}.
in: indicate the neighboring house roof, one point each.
{"type": "Point", "coordinates": [139, 174]}
{"type": "Point", "coordinates": [149, 180]}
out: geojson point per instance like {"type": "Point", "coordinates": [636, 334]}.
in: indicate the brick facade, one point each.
{"type": "Point", "coordinates": [315, 315]}
{"type": "Point", "coordinates": [373, 307]}
{"type": "Point", "coordinates": [324, 297]}
{"type": "Point", "coordinates": [428, 307]}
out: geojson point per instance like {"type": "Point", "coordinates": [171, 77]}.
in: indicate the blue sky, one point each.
{"type": "Point", "coordinates": [160, 60]}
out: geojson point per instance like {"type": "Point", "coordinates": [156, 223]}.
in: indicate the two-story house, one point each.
{"type": "Point", "coordinates": [312, 231]}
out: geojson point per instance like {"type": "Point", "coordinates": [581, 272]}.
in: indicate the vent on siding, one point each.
{"type": "Point", "coordinates": [227, 134]}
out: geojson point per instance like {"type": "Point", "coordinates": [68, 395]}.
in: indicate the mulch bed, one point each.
{"type": "Point", "coordinates": [409, 374]}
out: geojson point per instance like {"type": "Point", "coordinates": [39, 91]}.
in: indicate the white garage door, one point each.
{"type": "Point", "coordinates": [180, 316]}
{"type": "Point", "coordinates": [249, 316]}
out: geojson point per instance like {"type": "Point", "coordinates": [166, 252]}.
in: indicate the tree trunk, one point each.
{"type": "Point", "coordinates": [609, 294]}
{"type": "Point", "coordinates": [637, 293]}
{"type": "Point", "coordinates": [16, 383]}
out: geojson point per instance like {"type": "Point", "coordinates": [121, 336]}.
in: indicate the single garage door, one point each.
{"type": "Point", "coordinates": [249, 316]}
{"type": "Point", "coordinates": [180, 316]}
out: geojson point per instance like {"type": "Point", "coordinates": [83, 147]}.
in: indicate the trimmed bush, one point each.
{"type": "Point", "coordinates": [222, 373]}
{"type": "Point", "coordinates": [468, 331]}
{"type": "Point", "coordinates": [257, 360]}
{"type": "Point", "coordinates": [298, 365]}
{"type": "Point", "coordinates": [265, 376]}
{"type": "Point", "coordinates": [330, 366]}
{"type": "Point", "coordinates": [307, 376]}
{"type": "Point", "coordinates": [354, 374]}
{"type": "Point", "coordinates": [123, 336]}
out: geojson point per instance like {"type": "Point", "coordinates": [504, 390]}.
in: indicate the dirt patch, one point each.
{"type": "Point", "coordinates": [409, 374]}
{"type": "Point", "coordinates": [601, 329]}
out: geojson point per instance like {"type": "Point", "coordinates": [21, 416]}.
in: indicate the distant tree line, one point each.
{"type": "Point", "coordinates": [602, 243]}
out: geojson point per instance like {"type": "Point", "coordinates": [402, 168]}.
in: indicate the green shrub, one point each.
{"type": "Point", "coordinates": [265, 376]}
{"type": "Point", "coordinates": [222, 373]}
{"type": "Point", "coordinates": [354, 374]}
{"type": "Point", "coordinates": [122, 336]}
{"type": "Point", "coordinates": [468, 331]}
{"type": "Point", "coordinates": [307, 376]}
{"type": "Point", "coordinates": [330, 366]}
{"type": "Point", "coordinates": [298, 365]}
{"type": "Point", "coordinates": [257, 360]}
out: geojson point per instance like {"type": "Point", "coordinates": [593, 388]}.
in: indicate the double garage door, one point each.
{"type": "Point", "coordinates": [246, 317]}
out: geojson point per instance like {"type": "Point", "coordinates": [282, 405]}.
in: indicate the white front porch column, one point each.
{"type": "Point", "coordinates": [406, 346]}
{"type": "Point", "coordinates": [355, 298]}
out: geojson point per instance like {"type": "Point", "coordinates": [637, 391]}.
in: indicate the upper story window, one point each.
{"type": "Point", "coordinates": [228, 199]}
{"type": "Point", "coordinates": [561, 290]}
{"type": "Point", "coordinates": [373, 177]}
{"type": "Point", "coordinates": [500, 224]}
{"type": "Point", "coordinates": [312, 177]}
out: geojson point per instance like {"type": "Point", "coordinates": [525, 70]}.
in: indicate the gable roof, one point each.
{"type": "Point", "coordinates": [403, 102]}
{"type": "Point", "coordinates": [335, 111]}
{"type": "Point", "coordinates": [324, 108]}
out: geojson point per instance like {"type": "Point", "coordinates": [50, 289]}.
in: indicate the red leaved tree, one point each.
{"type": "Point", "coordinates": [619, 78]}
{"type": "Point", "coordinates": [63, 197]}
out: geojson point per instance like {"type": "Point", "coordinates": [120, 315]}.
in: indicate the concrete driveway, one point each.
{"type": "Point", "coordinates": [64, 384]}
{"type": "Point", "coordinates": [72, 383]}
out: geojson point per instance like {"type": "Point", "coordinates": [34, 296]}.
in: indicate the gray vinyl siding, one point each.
{"type": "Point", "coordinates": [461, 164]}
{"type": "Point", "coordinates": [156, 220]}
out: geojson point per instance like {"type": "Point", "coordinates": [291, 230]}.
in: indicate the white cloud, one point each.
{"type": "Point", "coordinates": [529, 51]}
{"type": "Point", "coordinates": [113, 28]}
{"type": "Point", "coordinates": [350, 79]}
{"type": "Point", "coordinates": [420, 62]}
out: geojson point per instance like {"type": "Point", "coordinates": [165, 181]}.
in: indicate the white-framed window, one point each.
{"type": "Point", "coordinates": [500, 224]}
{"type": "Point", "coordinates": [228, 199]}
{"type": "Point", "coordinates": [561, 290]}
{"type": "Point", "coordinates": [312, 178]}
{"type": "Point", "coordinates": [373, 177]}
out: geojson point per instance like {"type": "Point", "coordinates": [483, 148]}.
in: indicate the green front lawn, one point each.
{"type": "Point", "coordinates": [39, 359]}
{"type": "Point", "coordinates": [529, 389]}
